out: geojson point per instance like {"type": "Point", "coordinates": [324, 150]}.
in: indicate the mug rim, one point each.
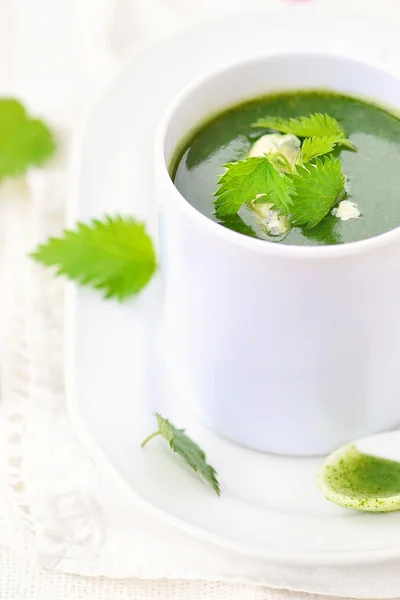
{"type": "Point", "coordinates": [235, 238]}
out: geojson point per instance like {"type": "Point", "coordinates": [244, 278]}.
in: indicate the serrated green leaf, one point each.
{"type": "Point", "coordinates": [317, 146]}
{"type": "Point", "coordinates": [24, 142]}
{"type": "Point", "coordinates": [115, 255]}
{"type": "Point", "coordinates": [318, 189]}
{"type": "Point", "coordinates": [347, 144]}
{"type": "Point", "coordinates": [318, 124]}
{"type": "Point", "coordinates": [188, 450]}
{"type": "Point", "coordinates": [245, 180]}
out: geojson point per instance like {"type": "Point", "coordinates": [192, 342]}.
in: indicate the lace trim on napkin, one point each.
{"type": "Point", "coordinates": [49, 510]}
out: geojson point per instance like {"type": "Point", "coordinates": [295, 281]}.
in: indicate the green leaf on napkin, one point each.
{"type": "Point", "coordinates": [190, 452]}
{"type": "Point", "coordinates": [24, 142]}
{"type": "Point", "coordinates": [115, 255]}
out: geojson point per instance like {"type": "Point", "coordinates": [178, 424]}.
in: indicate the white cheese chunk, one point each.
{"type": "Point", "coordinates": [288, 145]}
{"type": "Point", "coordinates": [274, 223]}
{"type": "Point", "coordinates": [346, 210]}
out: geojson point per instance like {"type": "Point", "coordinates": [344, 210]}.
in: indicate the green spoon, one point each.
{"type": "Point", "coordinates": [364, 475]}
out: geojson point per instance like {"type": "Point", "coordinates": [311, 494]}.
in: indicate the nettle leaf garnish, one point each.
{"type": "Point", "coordinates": [246, 179]}
{"type": "Point", "coordinates": [24, 141]}
{"type": "Point", "coordinates": [318, 188]}
{"type": "Point", "coordinates": [187, 449]}
{"type": "Point", "coordinates": [316, 125]}
{"type": "Point", "coordinates": [114, 255]}
{"type": "Point", "coordinates": [303, 193]}
{"type": "Point", "coordinates": [317, 146]}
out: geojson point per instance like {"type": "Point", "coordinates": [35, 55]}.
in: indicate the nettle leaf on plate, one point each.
{"type": "Point", "coordinates": [115, 255]}
{"type": "Point", "coordinates": [188, 450]}
{"type": "Point", "coordinates": [316, 125]}
{"type": "Point", "coordinates": [246, 179]}
{"type": "Point", "coordinates": [318, 188]}
{"type": "Point", "coordinates": [24, 142]}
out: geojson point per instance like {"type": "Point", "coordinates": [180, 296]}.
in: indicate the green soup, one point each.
{"type": "Point", "coordinates": [372, 173]}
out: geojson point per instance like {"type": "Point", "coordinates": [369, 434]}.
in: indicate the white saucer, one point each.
{"type": "Point", "coordinates": [270, 506]}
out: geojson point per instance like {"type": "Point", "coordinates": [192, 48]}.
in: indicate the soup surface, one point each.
{"type": "Point", "coordinates": [372, 173]}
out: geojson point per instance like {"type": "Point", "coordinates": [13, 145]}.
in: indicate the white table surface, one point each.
{"type": "Point", "coordinates": [57, 55]}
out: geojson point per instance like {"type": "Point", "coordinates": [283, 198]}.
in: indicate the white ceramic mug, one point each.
{"type": "Point", "coordinates": [285, 349]}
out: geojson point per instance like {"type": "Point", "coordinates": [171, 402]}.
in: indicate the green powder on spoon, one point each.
{"type": "Point", "coordinates": [361, 481]}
